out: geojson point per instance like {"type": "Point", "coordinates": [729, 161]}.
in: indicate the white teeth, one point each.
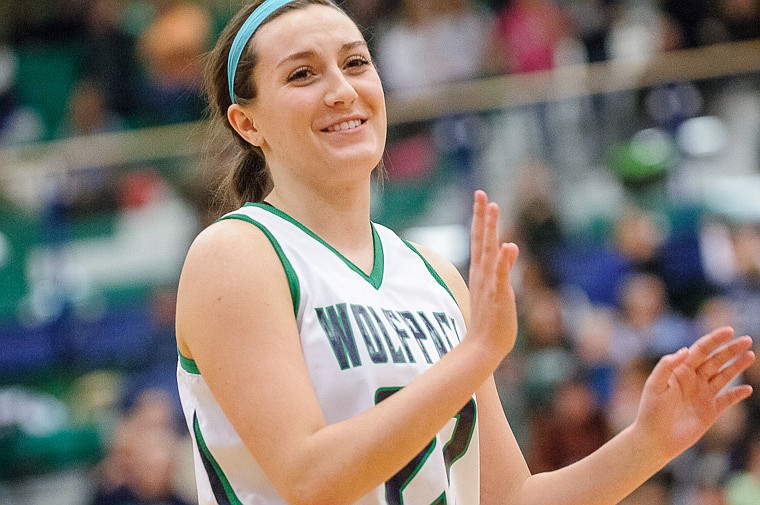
{"type": "Point", "coordinates": [345, 125]}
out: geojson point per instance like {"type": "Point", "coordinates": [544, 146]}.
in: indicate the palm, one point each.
{"type": "Point", "coordinates": [685, 394]}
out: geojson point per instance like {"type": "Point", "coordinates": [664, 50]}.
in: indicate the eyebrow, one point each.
{"type": "Point", "coordinates": [309, 53]}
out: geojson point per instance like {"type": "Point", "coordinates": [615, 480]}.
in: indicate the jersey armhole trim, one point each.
{"type": "Point", "coordinates": [293, 283]}
{"type": "Point", "coordinates": [187, 364]}
{"type": "Point", "coordinates": [430, 269]}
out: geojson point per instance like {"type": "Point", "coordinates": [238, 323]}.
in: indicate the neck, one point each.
{"type": "Point", "coordinates": [340, 216]}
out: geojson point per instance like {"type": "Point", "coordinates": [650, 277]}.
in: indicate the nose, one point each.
{"type": "Point", "coordinates": [340, 91]}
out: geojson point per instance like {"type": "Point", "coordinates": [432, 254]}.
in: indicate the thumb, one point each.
{"type": "Point", "coordinates": [663, 371]}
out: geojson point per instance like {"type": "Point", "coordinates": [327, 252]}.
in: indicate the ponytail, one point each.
{"type": "Point", "coordinates": [250, 179]}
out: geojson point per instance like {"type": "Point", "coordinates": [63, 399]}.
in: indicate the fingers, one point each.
{"type": "Point", "coordinates": [723, 355]}
{"type": "Point", "coordinates": [491, 234]}
{"type": "Point", "coordinates": [486, 252]}
{"type": "Point", "coordinates": [732, 397]}
{"type": "Point", "coordinates": [701, 350]}
{"type": "Point", "coordinates": [729, 372]}
{"type": "Point", "coordinates": [507, 258]}
{"type": "Point", "coordinates": [665, 368]}
{"type": "Point", "coordinates": [477, 230]}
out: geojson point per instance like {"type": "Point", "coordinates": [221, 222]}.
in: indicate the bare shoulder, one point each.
{"type": "Point", "coordinates": [231, 268]}
{"type": "Point", "coordinates": [228, 249]}
{"type": "Point", "coordinates": [449, 274]}
{"type": "Point", "coordinates": [229, 237]}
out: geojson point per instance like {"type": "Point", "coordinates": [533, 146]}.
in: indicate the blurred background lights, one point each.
{"type": "Point", "coordinates": [450, 240]}
{"type": "Point", "coordinates": [652, 147]}
{"type": "Point", "coordinates": [702, 136]}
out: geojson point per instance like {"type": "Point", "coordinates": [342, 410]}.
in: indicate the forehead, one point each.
{"type": "Point", "coordinates": [308, 28]}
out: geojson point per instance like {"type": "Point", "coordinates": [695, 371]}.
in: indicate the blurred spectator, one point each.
{"type": "Point", "coordinates": [141, 463]}
{"type": "Point", "coordinates": [714, 312]}
{"type": "Point", "coordinates": [592, 350]}
{"type": "Point", "coordinates": [744, 291]}
{"type": "Point", "coordinates": [647, 327]}
{"type": "Point", "coordinates": [734, 20]}
{"type": "Point", "coordinates": [638, 31]}
{"type": "Point", "coordinates": [548, 357]}
{"type": "Point", "coordinates": [629, 384]}
{"type": "Point", "coordinates": [731, 253]}
{"type": "Point", "coordinates": [719, 448]}
{"type": "Point", "coordinates": [171, 50]}
{"type": "Point", "coordinates": [691, 19]}
{"type": "Point", "coordinates": [634, 245]}
{"type": "Point", "coordinates": [710, 494]}
{"type": "Point", "coordinates": [89, 113]}
{"type": "Point", "coordinates": [592, 19]}
{"type": "Point", "coordinates": [537, 215]}
{"type": "Point", "coordinates": [109, 55]}
{"type": "Point", "coordinates": [743, 487]}
{"type": "Point", "coordinates": [638, 238]}
{"type": "Point", "coordinates": [740, 18]}
{"type": "Point", "coordinates": [573, 428]}
{"type": "Point", "coordinates": [432, 42]}
{"type": "Point", "coordinates": [528, 33]}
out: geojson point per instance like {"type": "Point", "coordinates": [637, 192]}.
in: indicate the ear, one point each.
{"type": "Point", "coordinates": [242, 121]}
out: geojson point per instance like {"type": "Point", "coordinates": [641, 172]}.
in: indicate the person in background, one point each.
{"type": "Point", "coordinates": [433, 42]}
{"type": "Point", "coordinates": [140, 467]}
{"type": "Point", "coordinates": [170, 50]}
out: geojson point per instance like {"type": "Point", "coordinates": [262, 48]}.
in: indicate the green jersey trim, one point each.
{"type": "Point", "coordinates": [187, 364]}
{"type": "Point", "coordinates": [293, 283]}
{"type": "Point", "coordinates": [375, 278]}
{"type": "Point", "coordinates": [430, 269]}
{"type": "Point", "coordinates": [220, 484]}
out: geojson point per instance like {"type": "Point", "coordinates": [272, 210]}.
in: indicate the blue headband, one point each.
{"type": "Point", "coordinates": [245, 33]}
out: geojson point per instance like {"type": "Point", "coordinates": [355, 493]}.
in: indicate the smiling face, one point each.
{"type": "Point", "coordinates": [320, 108]}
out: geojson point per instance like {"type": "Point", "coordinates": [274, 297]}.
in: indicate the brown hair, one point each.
{"type": "Point", "coordinates": [250, 180]}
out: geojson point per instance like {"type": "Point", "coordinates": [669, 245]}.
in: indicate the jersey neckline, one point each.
{"type": "Point", "coordinates": [375, 277]}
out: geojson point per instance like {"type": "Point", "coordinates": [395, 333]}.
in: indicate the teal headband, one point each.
{"type": "Point", "coordinates": [245, 33]}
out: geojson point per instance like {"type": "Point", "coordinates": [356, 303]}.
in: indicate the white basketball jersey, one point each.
{"type": "Point", "coordinates": [364, 337]}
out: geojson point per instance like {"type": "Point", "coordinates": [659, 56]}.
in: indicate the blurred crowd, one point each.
{"type": "Point", "coordinates": [596, 312]}
{"type": "Point", "coordinates": [79, 67]}
{"type": "Point", "coordinates": [596, 315]}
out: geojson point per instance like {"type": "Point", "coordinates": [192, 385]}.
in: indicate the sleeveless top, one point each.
{"type": "Point", "coordinates": [364, 337]}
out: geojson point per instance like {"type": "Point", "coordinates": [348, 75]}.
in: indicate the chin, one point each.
{"type": "Point", "coordinates": [360, 157]}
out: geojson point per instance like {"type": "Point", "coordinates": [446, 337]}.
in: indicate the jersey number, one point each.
{"type": "Point", "coordinates": [452, 450]}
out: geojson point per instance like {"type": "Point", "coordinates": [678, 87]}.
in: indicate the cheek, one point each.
{"type": "Point", "coordinates": [288, 118]}
{"type": "Point", "coordinates": [376, 97]}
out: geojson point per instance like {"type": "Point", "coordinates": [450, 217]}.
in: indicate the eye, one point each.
{"type": "Point", "coordinates": [300, 73]}
{"type": "Point", "coordinates": [357, 61]}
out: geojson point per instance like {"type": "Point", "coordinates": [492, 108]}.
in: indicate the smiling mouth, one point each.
{"type": "Point", "coordinates": [344, 126]}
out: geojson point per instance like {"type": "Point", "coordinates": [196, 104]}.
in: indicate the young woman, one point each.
{"type": "Point", "coordinates": [322, 358]}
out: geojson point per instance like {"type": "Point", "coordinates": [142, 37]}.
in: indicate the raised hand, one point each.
{"type": "Point", "coordinates": [492, 300]}
{"type": "Point", "coordinates": [686, 392]}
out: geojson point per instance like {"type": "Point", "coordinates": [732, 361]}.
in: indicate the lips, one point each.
{"type": "Point", "coordinates": [349, 124]}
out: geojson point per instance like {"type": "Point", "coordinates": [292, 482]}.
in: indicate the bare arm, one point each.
{"type": "Point", "coordinates": [503, 469]}
{"type": "Point", "coordinates": [683, 397]}
{"type": "Point", "coordinates": [235, 319]}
